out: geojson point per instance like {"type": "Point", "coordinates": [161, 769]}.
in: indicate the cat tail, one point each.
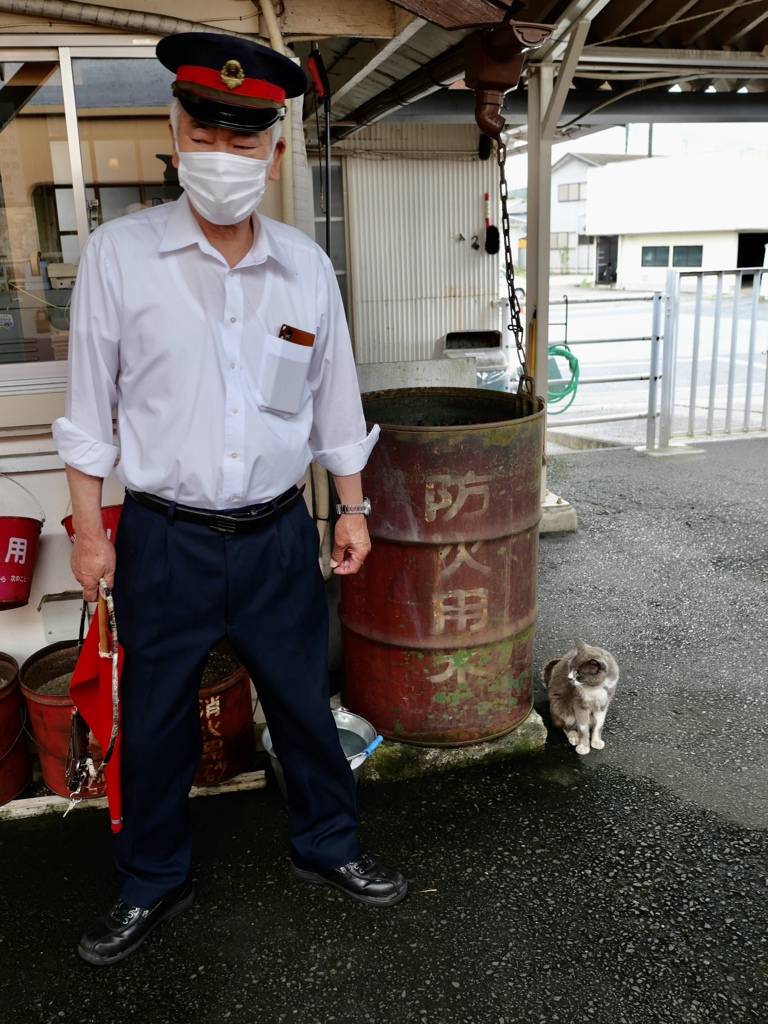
{"type": "Point", "coordinates": [549, 669]}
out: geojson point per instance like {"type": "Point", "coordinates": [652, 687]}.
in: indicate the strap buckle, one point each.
{"type": "Point", "coordinates": [223, 524]}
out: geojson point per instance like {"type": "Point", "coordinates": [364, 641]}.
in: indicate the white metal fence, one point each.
{"type": "Point", "coordinates": [714, 370]}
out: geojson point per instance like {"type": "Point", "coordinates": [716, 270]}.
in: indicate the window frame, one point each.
{"type": "Point", "coordinates": [47, 380]}
{"type": "Point", "coordinates": [655, 249]}
{"type": "Point", "coordinates": [687, 249]}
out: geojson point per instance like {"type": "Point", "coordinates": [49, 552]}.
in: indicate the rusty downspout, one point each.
{"type": "Point", "coordinates": [493, 64]}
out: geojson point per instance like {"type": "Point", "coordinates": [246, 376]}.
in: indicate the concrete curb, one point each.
{"type": "Point", "coordinates": [397, 762]}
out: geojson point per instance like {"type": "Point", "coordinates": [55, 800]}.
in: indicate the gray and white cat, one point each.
{"type": "Point", "coordinates": [581, 685]}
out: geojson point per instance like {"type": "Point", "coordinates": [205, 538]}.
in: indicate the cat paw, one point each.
{"type": "Point", "coordinates": [597, 744]}
{"type": "Point", "coordinates": [573, 738]}
{"type": "Point", "coordinates": [581, 749]}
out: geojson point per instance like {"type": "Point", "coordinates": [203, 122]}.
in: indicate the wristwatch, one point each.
{"type": "Point", "coordinates": [362, 510]}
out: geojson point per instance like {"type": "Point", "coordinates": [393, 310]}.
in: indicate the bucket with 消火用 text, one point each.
{"type": "Point", "coordinates": [15, 764]}
{"type": "Point", "coordinates": [438, 624]}
{"type": "Point", "coordinates": [19, 536]}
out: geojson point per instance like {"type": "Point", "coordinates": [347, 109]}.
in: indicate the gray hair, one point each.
{"type": "Point", "coordinates": [174, 113]}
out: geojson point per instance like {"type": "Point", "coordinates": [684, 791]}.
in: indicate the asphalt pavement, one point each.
{"type": "Point", "coordinates": [629, 886]}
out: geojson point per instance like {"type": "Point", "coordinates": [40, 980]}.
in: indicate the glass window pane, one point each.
{"type": "Point", "coordinates": [33, 168]}
{"type": "Point", "coordinates": [122, 113]}
{"type": "Point", "coordinates": [65, 208]}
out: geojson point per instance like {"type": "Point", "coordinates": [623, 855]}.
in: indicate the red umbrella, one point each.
{"type": "Point", "coordinates": [95, 691]}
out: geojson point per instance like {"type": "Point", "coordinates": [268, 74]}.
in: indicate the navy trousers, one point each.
{"type": "Point", "coordinates": [179, 590]}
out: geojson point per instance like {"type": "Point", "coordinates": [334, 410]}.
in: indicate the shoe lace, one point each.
{"type": "Point", "coordinates": [123, 912]}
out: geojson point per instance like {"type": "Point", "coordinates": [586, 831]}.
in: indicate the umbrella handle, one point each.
{"type": "Point", "coordinates": [105, 647]}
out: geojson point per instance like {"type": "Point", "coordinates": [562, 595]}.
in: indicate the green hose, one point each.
{"type": "Point", "coordinates": [566, 390]}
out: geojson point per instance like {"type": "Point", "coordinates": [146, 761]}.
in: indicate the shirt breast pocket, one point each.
{"type": "Point", "coordinates": [283, 374]}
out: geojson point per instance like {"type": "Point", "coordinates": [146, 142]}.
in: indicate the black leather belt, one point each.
{"type": "Point", "coordinates": [236, 521]}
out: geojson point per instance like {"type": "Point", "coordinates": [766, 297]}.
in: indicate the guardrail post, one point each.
{"type": "Point", "coordinates": [653, 373]}
{"type": "Point", "coordinates": [668, 360]}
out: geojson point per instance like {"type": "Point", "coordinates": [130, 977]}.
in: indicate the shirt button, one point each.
{"type": "Point", "coordinates": [235, 411]}
{"type": "Point", "coordinates": [233, 319]}
{"type": "Point", "coordinates": [232, 366]}
{"type": "Point", "coordinates": [234, 455]}
{"type": "Point", "coordinates": [232, 497]}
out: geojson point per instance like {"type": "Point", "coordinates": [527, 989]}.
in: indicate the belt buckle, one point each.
{"type": "Point", "coordinates": [223, 524]}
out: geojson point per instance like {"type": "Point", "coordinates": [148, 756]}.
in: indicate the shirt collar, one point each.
{"type": "Point", "coordinates": [182, 230]}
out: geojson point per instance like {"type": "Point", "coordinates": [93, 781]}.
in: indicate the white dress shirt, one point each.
{"type": "Point", "coordinates": [214, 410]}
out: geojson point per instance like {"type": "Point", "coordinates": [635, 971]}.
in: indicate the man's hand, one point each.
{"type": "Point", "coordinates": [92, 559]}
{"type": "Point", "coordinates": [351, 544]}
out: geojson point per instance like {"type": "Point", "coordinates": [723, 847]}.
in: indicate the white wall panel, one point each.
{"type": "Point", "coordinates": [411, 220]}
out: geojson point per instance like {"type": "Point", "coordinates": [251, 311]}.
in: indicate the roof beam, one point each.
{"type": "Point", "coordinates": [680, 10]}
{"type": "Point", "coordinates": [619, 57]}
{"type": "Point", "coordinates": [577, 10]}
{"type": "Point", "coordinates": [748, 26]}
{"type": "Point", "coordinates": [364, 57]}
{"type": "Point", "coordinates": [718, 15]}
{"type": "Point", "coordinates": [564, 78]}
{"type": "Point", "coordinates": [617, 17]}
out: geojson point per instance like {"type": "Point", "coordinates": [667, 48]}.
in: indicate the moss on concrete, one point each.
{"type": "Point", "coordinates": [393, 762]}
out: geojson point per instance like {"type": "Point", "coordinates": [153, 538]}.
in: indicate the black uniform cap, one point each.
{"type": "Point", "coordinates": [230, 82]}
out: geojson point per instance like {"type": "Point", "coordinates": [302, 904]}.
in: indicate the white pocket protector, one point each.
{"type": "Point", "coordinates": [284, 369]}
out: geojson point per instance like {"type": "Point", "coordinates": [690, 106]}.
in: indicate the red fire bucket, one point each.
{"type": "Point", "coordinates": [110, 515]}
{"type": "Point", "coordinates": [15, 765]}
{"type": "Point", "coordinates": [18, 549]}
{"type": "Point", "coordinates": [45, 686]}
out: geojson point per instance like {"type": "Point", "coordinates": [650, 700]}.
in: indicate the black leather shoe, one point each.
{"type": "Point", "coordinates": [365, 879]}
{"type": "Point", "coordinates": [124, 928]}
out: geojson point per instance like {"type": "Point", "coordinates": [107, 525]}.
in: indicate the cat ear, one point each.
{"type": "Point", "coordinates": [580, 645]}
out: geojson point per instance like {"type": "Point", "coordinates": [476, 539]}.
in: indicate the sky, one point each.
{"type": "Point", "coordinates": [668, 140]}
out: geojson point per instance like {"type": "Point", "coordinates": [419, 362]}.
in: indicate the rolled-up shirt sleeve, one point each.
{"type": "Point", "coordinates": [84, 434]}
{"type": "Point", "coordinates": [340, 440]}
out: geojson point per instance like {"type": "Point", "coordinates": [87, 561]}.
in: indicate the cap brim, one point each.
{"type": "Point", "coordinates": [228, 115]}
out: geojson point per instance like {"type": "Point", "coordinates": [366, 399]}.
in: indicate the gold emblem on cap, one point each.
{"type": "Point", "coordinates": [232, 74]}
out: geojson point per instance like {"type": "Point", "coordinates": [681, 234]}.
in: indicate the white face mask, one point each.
{"type": "Point", "coordinates": [222, 187]}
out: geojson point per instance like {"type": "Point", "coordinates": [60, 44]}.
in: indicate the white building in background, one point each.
{"type": "Point", "coordinates": [572, 249]}
{"type": "Point", "coordinates": [705, 211]}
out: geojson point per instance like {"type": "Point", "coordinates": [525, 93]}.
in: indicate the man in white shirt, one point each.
{"type": "Point", "coordinates": [220, 339]}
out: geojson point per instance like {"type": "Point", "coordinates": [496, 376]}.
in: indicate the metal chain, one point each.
{"type": "Point", "coordinates": [515, 325]}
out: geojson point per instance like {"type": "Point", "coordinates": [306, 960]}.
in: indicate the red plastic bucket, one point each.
{"type": "Point", "coordinates": [19, 536]}
{"type": "Point", "coordinates": [18, 549]}
{"type": "Point", "coordinates": [15, 764]}
{"type": "Point", "coordinates": [50, 714]}
{"type": "Point", "coordinates": [110, 515]}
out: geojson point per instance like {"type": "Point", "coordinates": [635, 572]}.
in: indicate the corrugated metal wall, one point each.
{"type": "Point", "coordinates": [415, 200]}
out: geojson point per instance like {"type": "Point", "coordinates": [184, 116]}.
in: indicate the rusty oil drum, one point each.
{"type": "Point", "coordinates": [437, 627]}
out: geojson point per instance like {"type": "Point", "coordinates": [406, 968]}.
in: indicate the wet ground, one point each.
{"type": "Point", "coordinates": [629, 886]}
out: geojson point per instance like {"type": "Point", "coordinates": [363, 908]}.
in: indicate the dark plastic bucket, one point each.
{"type": "Point", "coordinates": [15, 764]}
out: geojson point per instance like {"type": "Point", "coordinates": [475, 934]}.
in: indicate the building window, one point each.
{"type": "Point", "coordinates": [586, 239]}
{"type": "Point", "coordinates": [571, 192]}
{"type": "Point", "coordinates": [338, 247]}
{"type": "Point", "coordinates": [655, 256]}
{"type": "Point", "coordinates": [559, 240]}
{"type": "Point", "coordinates": [687, 255]}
